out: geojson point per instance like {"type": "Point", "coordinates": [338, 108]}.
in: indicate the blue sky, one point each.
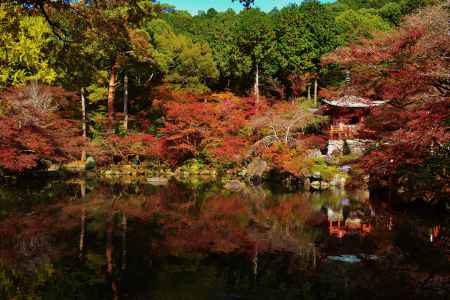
{"type": "Point", "coordinates": [193, 6]}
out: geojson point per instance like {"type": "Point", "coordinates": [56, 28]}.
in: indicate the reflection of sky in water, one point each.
{"type": "Point", "coordinates": [337, 198]}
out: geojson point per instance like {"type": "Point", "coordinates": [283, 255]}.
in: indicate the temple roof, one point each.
{"type": "Point", "coordinates": [353, 102]}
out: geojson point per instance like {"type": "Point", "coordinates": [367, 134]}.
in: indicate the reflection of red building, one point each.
{"type": "Point", "coordinates": [435, 232]}
{"type": "Point", "coordinates": [335, 228]}
{"type": "Point", "coordinates": [339, 228]}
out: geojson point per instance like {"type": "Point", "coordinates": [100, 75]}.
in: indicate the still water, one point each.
{"type": "Point", "coordinates": [86, 239]}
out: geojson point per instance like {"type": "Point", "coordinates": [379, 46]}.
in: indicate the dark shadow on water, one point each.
{"type": "Point", "coordinates": [84, 239]}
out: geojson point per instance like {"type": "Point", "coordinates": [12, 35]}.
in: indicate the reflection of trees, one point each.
{"type": "Point", "coordinates": [218, 222]}
{"type": "Point", "coordinates": [285, 218]}
{"type": "Point", "coordinates": [22, 197]}
{"type": "Point", "coordinates": [109, 256]}
{"type": "Point", "coordinates": [83, 218]}
{"type": "Point", "coordinates": [124, 241]}
{"type": "Point", "coordinates": [167, 221]}
{"type": "Point", "coordinates": [30, 240]}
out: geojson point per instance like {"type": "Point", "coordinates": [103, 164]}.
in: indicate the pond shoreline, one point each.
{"type": "Point", "coordinates": [231, 182]}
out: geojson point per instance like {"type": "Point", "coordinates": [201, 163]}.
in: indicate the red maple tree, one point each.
{"type": "Point", "coordinates": [209, 126]}
{"type": "Point", "coordinates": [33, 127]}
{"type": "Point", "coordinates": [406, 66]}
{"type": "Point", "coordinates": [409, 68]}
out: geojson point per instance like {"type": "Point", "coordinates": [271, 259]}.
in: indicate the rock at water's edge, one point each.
{"type": "Point", "coordinates": [233, 185]}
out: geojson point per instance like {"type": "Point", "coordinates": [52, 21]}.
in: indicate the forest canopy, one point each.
{"type": "Point", "coordinates": [129, 80]}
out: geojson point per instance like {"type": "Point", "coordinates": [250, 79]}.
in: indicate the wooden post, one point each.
{"type": "Point", "coordinates": [309, 92]}
{"type": "Point", "coordinates": [83, 123]}
{"type": "Point", "coordinates": [111, 94]}
{"type": "Point", "coordinates": [125, 103]}
{"type": "Point", "coordinates": [257, 85]}
{"type": "Point", "coordinates": [315, 92]}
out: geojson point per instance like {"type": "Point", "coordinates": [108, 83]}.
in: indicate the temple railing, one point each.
{"type": "Point", "coordinates": [344, 131]}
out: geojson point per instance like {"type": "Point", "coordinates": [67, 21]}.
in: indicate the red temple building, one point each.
{"type": "Point", "coordinates": [347, 114]}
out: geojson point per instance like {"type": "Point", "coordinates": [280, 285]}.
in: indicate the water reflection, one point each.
{"type": "Point", "coordinates": [104, 240]}
{"type": "Point", "coordinates": [344, 221]}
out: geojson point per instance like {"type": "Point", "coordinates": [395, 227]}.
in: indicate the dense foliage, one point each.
{"type": "Point", "coordinates": [24, 44]}
{"type": "Point", "coordinates": [32, 128]}
{"type": "Point", "coordinates": [409, 68]}
{"type": "Point", "coordinates": [160, 84]}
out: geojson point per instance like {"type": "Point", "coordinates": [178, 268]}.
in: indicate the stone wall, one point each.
{"type": "Point", "coordinates": [335, 147]}
{"type": "Point", "coordinates": [356, 146]}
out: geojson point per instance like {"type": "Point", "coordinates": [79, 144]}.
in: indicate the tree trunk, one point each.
{"type": "Point", "coordinates": [257, 85]}
{"type": "Point", "coordinates": [111, 94]}
{"type": "Point", "coordinates": [83, 124]}
{"type": "Point", "coordinates": [315, 92]}
{"type": "Point", "coordinates": [309, 92]}
{"type": "Point", "coordinates": [125, 103]}
{"type": "Point", "coordinates": [286, 137]}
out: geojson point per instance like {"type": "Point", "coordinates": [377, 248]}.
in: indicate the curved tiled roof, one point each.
{"type": "Point", "coordinates": [353, 102]}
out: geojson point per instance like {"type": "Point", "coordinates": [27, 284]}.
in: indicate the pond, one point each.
{"type": "Point", "coordinates": [91, 239]}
